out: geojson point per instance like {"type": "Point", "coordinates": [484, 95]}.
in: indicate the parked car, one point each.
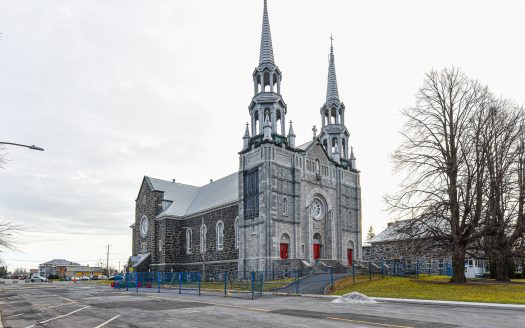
{"type": "Point", "coordinates": [37, 278]}
{"type": "Point", "coordinates": [102, 277]}
{"type": "Point", "coordinates": [83, 278]}
{"type": "Point", "coordinates": [117, 277]}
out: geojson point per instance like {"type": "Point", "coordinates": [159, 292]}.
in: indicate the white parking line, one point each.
{"type": "Point", "coordinates": [60, 316]}
{"type": "Point", "coordinates": [49, 307]}
{"type": "Point", "coordinates": [106, 322]}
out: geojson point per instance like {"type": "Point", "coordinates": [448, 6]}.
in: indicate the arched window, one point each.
{"type": "Point", "coordinates": [343, 148]}
{"type": "Point", "coordinates": [256, 123]}
{"type": "Point", "coordinates": [237, 233]}
{"type": "Point", "coordinates": [285, 206]}
{"type": "Point", "coordinates": [220, 235]}
{"type": "Point", "coordinates": [188, 241]}
{"type": "Point", "coordinates": [203, 233]}
{"type": "Point", "coordinates": [278, 123]}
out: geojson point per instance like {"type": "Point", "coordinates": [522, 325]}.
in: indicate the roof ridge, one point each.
{"type": "Point", "coordinates": [172, 182]}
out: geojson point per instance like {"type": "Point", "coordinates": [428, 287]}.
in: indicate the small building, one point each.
{"type": "Point", "coordinates": [81, 271]}
{"type": "Point", "coordinates": [52, 268]}
{"type": "Point", "coordinates": [404, 254]}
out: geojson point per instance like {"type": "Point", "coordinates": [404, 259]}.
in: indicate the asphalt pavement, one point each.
{"type": "Point", "coordinates": [89, 305]}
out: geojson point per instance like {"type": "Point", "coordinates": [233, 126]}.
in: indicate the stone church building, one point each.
{"type": "Point", "coordinates": [287, 206]}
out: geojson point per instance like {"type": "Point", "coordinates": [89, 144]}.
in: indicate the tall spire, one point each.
{"type": "Point", "coordinates": [332, 93]}
{"type": "Point", "coordinates": [266, 54]}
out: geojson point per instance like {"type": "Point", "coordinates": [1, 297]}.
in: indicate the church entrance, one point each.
{"type": "Point", "coordinates": [317, 246]}
{"type": "Point", "coordinates": [283, 251]}
{"type": "Point", "coordinates": [350, 255]}
{"type": "Point", "coordinates": [283, 246]}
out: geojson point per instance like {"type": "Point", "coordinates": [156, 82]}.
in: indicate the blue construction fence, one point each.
{"type": "Point", "coordinates": [254, 284]}
{"type": "Point", "coordinates": [235, 284]}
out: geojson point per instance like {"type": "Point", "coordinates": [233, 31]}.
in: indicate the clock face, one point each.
{"type": "Point", "coordinates": [144, 226]}
{"type": "Point", "coordinates": [317, 209]}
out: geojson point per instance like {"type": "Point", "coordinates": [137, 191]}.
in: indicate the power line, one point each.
{"type": "Point", "coordinates": [77, 233]}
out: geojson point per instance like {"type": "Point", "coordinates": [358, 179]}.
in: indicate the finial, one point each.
{"type": "Point", "coordinates": [314, 130]}
{"type": "Point", "coordinates": [247, 131]}
{"type": "Point", "coordinates": [290, 130]}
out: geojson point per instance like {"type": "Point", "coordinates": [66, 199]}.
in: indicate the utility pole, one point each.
{"type": "Point", "coordinates": [107, 261]}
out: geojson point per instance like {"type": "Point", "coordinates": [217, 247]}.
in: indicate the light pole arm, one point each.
{"type": "Point", "coordinates": [20, 145]}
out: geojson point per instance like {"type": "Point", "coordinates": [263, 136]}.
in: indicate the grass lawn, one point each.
{"type": "Point", "coordinates": [232, 285]}
{"type": "Point", "coordinates": [435, 288]}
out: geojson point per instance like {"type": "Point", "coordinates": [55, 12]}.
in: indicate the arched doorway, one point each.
{"type": "Point", "coordinates": [317, 246]}
{"type": "Point", "coordinates": [283, 246]}
{"type": "Point", "coordinates": [350, 252]}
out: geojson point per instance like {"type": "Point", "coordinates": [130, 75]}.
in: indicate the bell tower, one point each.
{"type": "Point", "coordinates": [267, 99]}
{"type": "Point", "coordinates": [334, 134]}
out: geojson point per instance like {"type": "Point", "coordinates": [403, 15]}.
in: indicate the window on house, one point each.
{"type": "Point", "coordinates": [285, 206]}
{"type": "Point", "coordinates": [428, 265]}
{"type": "Point", "coordinates": [203, 233]}
{"type": "Point", "coordinates": [441, 263]}
{"type": "Point", "coordinates": [188, 241]}
{"type": "Point", "coordinates": [220, 236]}
{"type": "Point", "coordinates": [237, 233]}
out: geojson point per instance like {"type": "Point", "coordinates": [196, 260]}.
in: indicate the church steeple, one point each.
{"type": "Point", "coordinates": [334, 134]}
{"type": "Point", "coordinates": [266, 52]}
{"type": "Point", "coordinates": [267, 99]}
{"type": "Point", "coordinates": [332, 93]}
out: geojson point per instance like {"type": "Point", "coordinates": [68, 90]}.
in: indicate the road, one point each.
{"type": "Point", "coordinates": [89, 305]}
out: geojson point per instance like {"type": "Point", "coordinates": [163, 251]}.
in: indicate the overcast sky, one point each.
{"type": "Point", "coordinates": [115, 90]}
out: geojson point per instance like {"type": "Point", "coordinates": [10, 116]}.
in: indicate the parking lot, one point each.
{"type": "Point", "coordinates": [67, 304]}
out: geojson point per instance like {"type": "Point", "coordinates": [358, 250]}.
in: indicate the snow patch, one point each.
{"type": "Point", "coordinates": [354, 298]}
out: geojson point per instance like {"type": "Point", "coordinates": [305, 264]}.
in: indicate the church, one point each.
{"type": "Point", "coordinates": [289, 206]}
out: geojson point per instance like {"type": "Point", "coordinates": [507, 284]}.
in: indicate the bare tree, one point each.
{"type": "Point", "coordinates": [504, 224]}
{"type": "Point", "coordinates": [7, 232]}
{"type": "Point", "coordinates": [443, 163]}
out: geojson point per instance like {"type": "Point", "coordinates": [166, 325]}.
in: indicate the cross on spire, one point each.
{"type": "Point", "coordinates": [314, 130]}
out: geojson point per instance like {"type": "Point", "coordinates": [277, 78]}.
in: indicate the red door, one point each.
{"type": "Point", "coordinates": [317, 251]}
{"type": "Point", "coordinates": [349, 255]}
{"type": "Point", "coordinates": [283, 251]}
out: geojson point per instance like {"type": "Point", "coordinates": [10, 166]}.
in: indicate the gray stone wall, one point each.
{"type": "Point", "coordinates": [149, 204]}
{"type": "Point", "coordinates": [403, 253]}
{"type": "Point", "coordinates": [174, 255]}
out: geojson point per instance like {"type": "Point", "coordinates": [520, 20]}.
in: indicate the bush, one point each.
{"type": "Point", "coordinates": [53, 276]}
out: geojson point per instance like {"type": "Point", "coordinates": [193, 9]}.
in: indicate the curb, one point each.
{"type": "Point", "coordinates": [451, 303]}
{"type": "Point", "coordinates": [417, 301]}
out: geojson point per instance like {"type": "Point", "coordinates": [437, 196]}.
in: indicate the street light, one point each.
{"type": "Point", "coordinates": [33, 147]}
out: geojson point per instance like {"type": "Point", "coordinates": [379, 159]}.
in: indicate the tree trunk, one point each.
{"type": "Point", "coordinates": [502, 268]}
{"type": "Point", "coordinates": [458, 266]}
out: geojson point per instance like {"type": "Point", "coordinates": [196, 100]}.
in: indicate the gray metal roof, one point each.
{"type": "Point", "coordinates": [266, 53]}
{"type": "Point", "coordinates": [305, 146]}
{"type": "Point", "coordinates": [410, 229]}
{"type": "Point", "coordinates": [216, 193]}
{"type": "Point", "coordinates": [189, 199]}
{"type": "Point", "coordinates": [58, 262]}
{"type": "Point", "coordinates": [180, 194]}
{"type": "Point", "coordinates": [332, 94]}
